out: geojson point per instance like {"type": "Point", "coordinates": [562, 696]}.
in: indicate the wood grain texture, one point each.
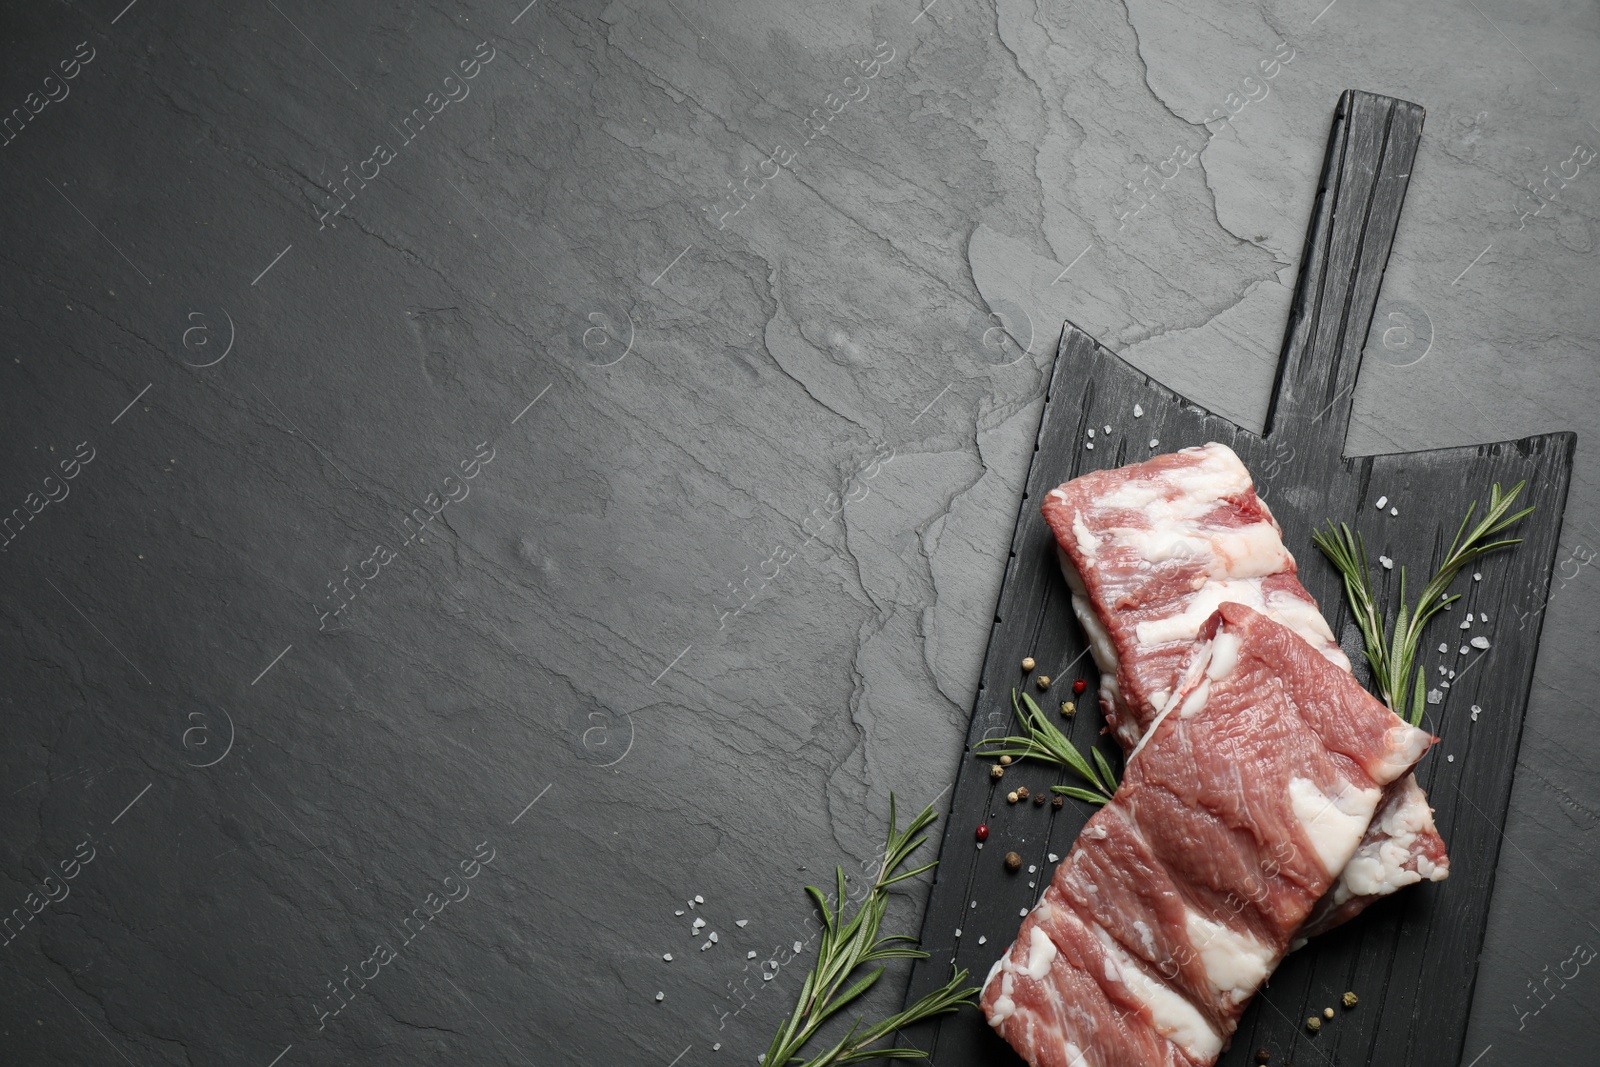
{"type": "Point", "coordinates": [1412, 959]}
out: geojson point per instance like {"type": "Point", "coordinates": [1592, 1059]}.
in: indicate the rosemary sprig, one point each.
{"type": "Point", "coordinates": [1392, 656]}
{"type": "Point", "coordinates": [848, 946]}
{"type": "Point", "coordinates": [1042, 741]}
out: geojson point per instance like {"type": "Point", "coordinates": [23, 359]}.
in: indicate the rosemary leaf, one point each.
{"type": "Point", "coordinates": [1391, 651]}
{"type": "Point", "coordinates": [844, 948]}
{"type": "Point", "coordinates": [1042, 741]}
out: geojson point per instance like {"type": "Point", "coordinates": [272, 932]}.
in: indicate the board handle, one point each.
{"type": "Point", "coordinates": [1363, 184]}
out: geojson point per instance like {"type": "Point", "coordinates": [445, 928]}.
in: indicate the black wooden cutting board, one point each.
{"type": "Point", "coordinates": [1411, 959]}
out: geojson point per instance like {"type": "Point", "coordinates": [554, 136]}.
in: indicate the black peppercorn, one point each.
{"type": "Point", "coordinates": [1038, 800]}
{"type": "Point", "coordinates": [1263, 1056]}
{"type": "Point", "coordinates": [1058, 802]}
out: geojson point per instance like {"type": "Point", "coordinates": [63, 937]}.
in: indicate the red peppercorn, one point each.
{"type": "Point", "coordinates": [983, 832]}
{"type": "Point", "coordinates": [1079, 686]}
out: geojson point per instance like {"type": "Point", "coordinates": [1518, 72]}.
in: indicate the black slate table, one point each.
{"type": "Point", "coordinates": [483, 477]}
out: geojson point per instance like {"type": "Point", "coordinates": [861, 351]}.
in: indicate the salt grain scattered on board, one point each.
{"type": "Point", "coordinates": [667, 956]}
{"type": "Point", "coordinates": [1388, 564]}
{"type": "Point", "coordinates": [1479, 642]}
{"type": "Point", "coordinates": [742, 923]}
{"type": "Point", "coordinates": [1475, 710]}
{"type": "Point", "coordinates": [698, 899]}
{"type": "Point", "coordinates": [983, 939]}
{"type": "Point", "coordinates": [1023, 913]}
{"type": "Point", "coordinates": [660, 997]}
{"type": "Point", "coordinates": [705, 946]}
{"type": "Point", "coordinates": [750, 955]}
{"type": "Point", "coordinates": [1462, 651]}
{"type": "Point", "coordinates": [1154, 442]}
{"type": "Point", "coordinates": [1382, 500]}
{"type": "Point", "coordinates": [1434, 696]}
{"type": "Point", "coordinates": [1138, 412]}
{"type": "Point", "coordinates": [713, 937]}
{"type": "Point", "coordinates": [1394, 511]}
{"type": "Point", "coordinates": [1108, 429]}
{"type": "Point", "coordinates": [1091, 431]}
{"type": "Point", "coordinates": [1477, 577]}
{"type": "Point", "coordinates": [958, 931]}
{"type": "Point", "coordinates": [798, 946]}
{"type": "Point", "coordinates": [1054, 858]}
{"type": "Point", "coordinates": [1443, 647]}
{"type": "Point", "coordinates": [1449, 759]}
{"type": "Point", "coordinates": [1089, 445]}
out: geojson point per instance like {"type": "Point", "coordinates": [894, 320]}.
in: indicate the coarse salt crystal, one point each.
{"type": "Point", "coordinates": [1462, 651]}
{"type": "Point", "coordinates": [1468, 624]}
{"type": "Point", "coordinates": [698, 899]}
{"type": "Point", "coordinates": [1138, 412]}
{"type": "Point", "coordinates": [1449, 759]}
{"type": "Point", "coordinates": [1483, 616]}
{"type": "Point", "coordinates": [1452, 675]}
{"type": "Point", "coordinates": [1054, 858]}
{"type": "Point", "coordinates": [1434, 696]}
{"type": "Point", "coordinates": [713, 937]}
{"type": "Point", "coordinates": [798, 946]}
{"type": "Point", "coordinates": [1382, 500]}
{"type": "Point", "coordinates": [698, 923]}
{"type": "Point", "coordinates": [1388, 564]}
{"type": "Point", "coordinates": [1394, 511]}
{"type": "Point", "coordinates": [974, 904]}
{"type": "Point", "coordinates": [1444, 685]}
{"type": "Point", "coordinates": [1023, 913]}
{"type": "Point", "coordinates": [958, 931]}
{"type": "Point", "coordinates": [1479, 642]}
{"type": "Point", "coordinates": [660, 997]}
{"type": "Point", "coordinates": [678, 912]}
{"type": "Point", "coordinates": [741, 923]}
{"type": "Point", "coordinates": [1154, 442]}
{"type": "Point", "coordinates": [1031, 885]}
{"type": "Point", "coordinates": [1089, 445]}
{"type": "Point", "coordinates": [1477, 577]}
{"type": "Point", "coordinates": [705, 946]}
{"type": "Point", "coordinates": [1475, 710]}
{"type": "Point", "coordinates": [1469, 617]}
{"type": "Point", "coordinates": [1108, 429]}
{"type": "Point", "coordinates": [1032, 867]}
{"type": "Point", "coordinates": [667, 956]}
{"type": "Point", "coordinates": [1091, 431]}
{"type": "Point", "coordinates": [1443, 647]}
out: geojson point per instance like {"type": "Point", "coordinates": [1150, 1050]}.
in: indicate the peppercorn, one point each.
{"type": "Point", "coordinates": [1044, 681]}
{"type": "Point", "coordinates": [982, 832]}
{"type": "Point", "coordinates": [997, 771]}
{"type": "Point", "coordinates": [1027, 663]}
{"type": "Point", "coordinates": [1068, 707]}
{"type": "Point", "coordinates": [1263, 1056]}
{"type": "Point", "coordinates": [1005, 761]}
{"type": "Point", "coordinates": [1011, 798]}
{"type": "Point", "coordinates": [1327, 1013]}
{"type": "Point", "coordinates": [1013, 862]}
{"type": "Point", "coordinates": [1038, 800]}
{"type": "Point", "coordinates": [1313, 1024]}
{"type": "Point", "coordinates": [1022, 792]}
{"type": "Point", "coordinates": [1350, 1000]}
{"type": "Point", "coordinates": [1058, 802]}
{"type": "Point", "coordinates": [1079, 686]}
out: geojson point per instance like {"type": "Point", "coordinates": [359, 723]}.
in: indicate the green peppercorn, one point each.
{"type": "Point", "coordinates": [1313, 1024]}
{"type": "Point", "coordinates": [1350, 1000]}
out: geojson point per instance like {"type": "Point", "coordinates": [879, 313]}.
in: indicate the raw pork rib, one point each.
{"type": "Point", "coordinates": [1149, 551]}
{"type": "Point", "coordinates": [1238, 809]}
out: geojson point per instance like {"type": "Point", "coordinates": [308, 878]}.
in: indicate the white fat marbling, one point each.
{"type": "Point", "coordinates": [1235, 963]}
{"type": "Point", "coordinates": [1333, 824]}
{"type": "Point", "coordinates": [1172, 1016]}
{"type": "Point", "coordinates": [1041, 954]}
{"type": "Point", "coordinates": [1224, 656]}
